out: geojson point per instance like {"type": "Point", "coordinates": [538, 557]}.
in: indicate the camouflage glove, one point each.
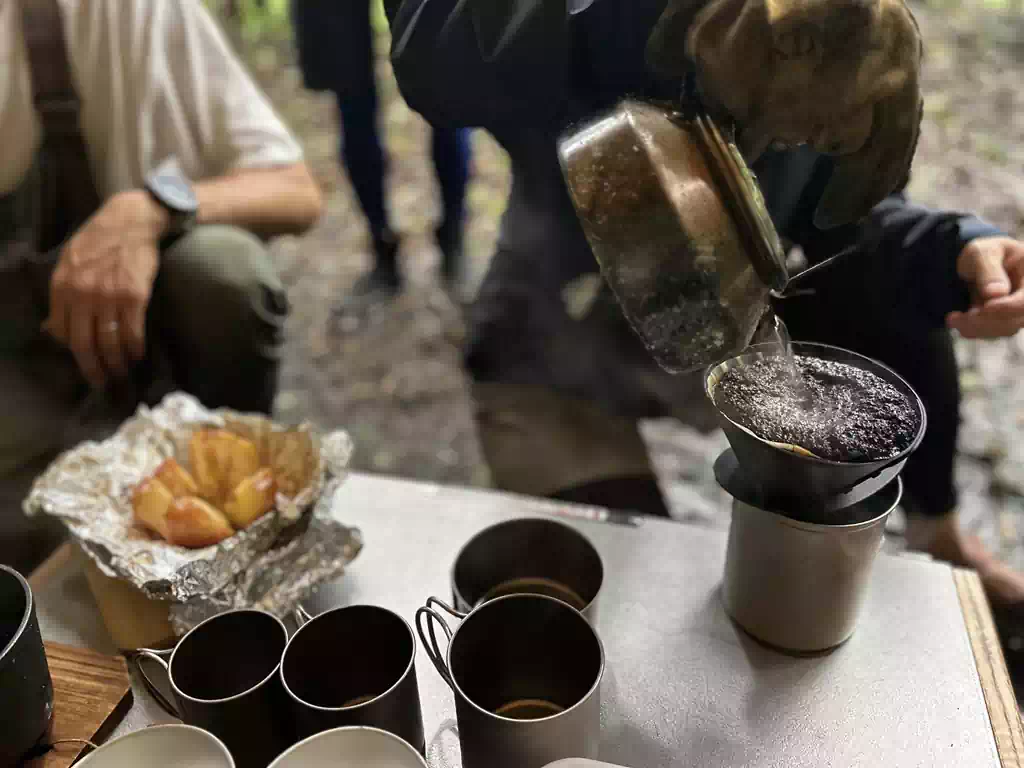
{"type": "Point", "coordinates": [841, 75]}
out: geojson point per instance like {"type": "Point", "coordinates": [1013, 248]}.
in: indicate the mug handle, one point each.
{"type": "Point", "coordinates": [436, 602]}
{"type": "Point", "coordinates": [301, 616]}
{"type": "Point", "coordinates": [431, 645]}
{"type": "Point", "coordinates": [161, 658]}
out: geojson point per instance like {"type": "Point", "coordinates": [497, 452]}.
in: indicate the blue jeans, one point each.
{"type": "Point", "coordinates": [335, 45]}
{"type": "Point", "coordinates": [364, 159]}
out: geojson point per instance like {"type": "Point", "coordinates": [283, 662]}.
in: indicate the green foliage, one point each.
{"type": "Point", "coordinates": [378, 17]}
{"type": "Point", "coordinates": [263, 20]}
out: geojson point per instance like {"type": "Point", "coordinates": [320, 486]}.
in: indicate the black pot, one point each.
{"type": "Point", "coordinates": [26, 690]}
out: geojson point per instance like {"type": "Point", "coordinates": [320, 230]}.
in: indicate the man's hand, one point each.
{"type": "Point", "coordinates": [102, 285]}
{"type": "Point", "coordinates": [994, 269]}
{"type": "Point", "coordinates": [840, 75]}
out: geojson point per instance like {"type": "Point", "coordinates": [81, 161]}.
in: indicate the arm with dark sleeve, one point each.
{"type": "Point", "coordinates": [481, 63]}
{"type": "Point", "coordinates": [905, 265]}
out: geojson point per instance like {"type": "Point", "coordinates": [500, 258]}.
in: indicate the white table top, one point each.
{"type": "Point", "coordinates": [684, 687]}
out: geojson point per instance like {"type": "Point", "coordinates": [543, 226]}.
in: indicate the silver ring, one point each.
{"type": "Point", "coordinates": [110, 327]}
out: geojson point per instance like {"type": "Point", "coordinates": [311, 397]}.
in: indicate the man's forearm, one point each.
{"type": "Point", "coordinates": [266, 202]}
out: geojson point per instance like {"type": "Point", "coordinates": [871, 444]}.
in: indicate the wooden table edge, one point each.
{"type": "Point", "coordinates": [1000, 700]}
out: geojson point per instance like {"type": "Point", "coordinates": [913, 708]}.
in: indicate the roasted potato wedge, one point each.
{"type": "Point", "coordinates": [256, 433]}
{"type": "Point", "coordinates": [177, 479]}
{"type": "Point", "coordinates": [193, 523]}
{"type": "Point", "coordinates": [292, 459]}
{"type": "Point", "coordinates": [252, 499]}
{"type": "Point", "coordinates": [220, 461]}
{"type": "Point", "coordinates": [151, 501]}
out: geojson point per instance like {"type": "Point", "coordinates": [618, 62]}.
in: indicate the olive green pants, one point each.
{"type": "Point", "coordinates": [214, 329]}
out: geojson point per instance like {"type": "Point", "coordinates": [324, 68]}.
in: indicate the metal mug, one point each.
{"type": "Point", "coordinates": [528, 556]}
{"type": "Point", "coordinates": [526, 672]}
{"type": "Point", "coordinates": [26, 690]}
{"type": "Point", "coordinates": [800, 586]}
{"type": "Point", "coordinates": [224, 675]}
{"type": "Point", "coordinates": [353, 666]}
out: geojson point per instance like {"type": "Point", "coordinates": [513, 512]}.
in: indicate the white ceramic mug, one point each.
{"type": "Point", "coordinates": [353, 747]}
{"type": "Point", "coordinates": [161, 746]}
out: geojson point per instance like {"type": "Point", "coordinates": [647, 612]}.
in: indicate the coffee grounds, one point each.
{"type": "Point", "coordinates": [834, 410]}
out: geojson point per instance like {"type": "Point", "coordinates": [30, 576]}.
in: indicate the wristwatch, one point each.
{"type": "Point", "coordinates": [172, 189]}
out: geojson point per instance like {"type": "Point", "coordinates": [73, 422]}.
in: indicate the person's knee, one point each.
{"type": "Point", "coordinates": [220, 308]}
{"type": "Point", "coordinates": [218, 257]}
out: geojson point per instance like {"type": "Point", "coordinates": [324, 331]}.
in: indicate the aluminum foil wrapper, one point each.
{"type": "Point", "coordinates": [281, 578]}
{"type": "Point", "coordinates": [271, 564]}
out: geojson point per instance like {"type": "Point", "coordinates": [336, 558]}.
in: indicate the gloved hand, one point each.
{"type": "Point", "coordinates": [841, 75]}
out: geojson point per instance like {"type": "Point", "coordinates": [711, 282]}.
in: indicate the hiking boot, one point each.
{"type": "Point", "coordinates": [380, 284]}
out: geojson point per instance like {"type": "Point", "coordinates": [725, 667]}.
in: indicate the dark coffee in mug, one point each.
{"type": "Point", "coordinates": [526, 673]}
{"type": "Point", "coordinates": [535, 586]}
{"type": "Point", "coordinates": [354, 666]}
{"type": "Point", "coordinates": [528, 709]}
{"type": "Point", "coordinates": [528, 556]}
{"type": "Point", "coordinates": [225, 678]}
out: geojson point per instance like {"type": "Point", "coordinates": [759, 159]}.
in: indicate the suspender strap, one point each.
{"type": "Point", "coordinates": [52, 88]}
{"type": "Point", "coordinates": [58, 107]}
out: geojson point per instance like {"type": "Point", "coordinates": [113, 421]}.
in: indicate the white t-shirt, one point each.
{"type": "Point", "coordinates": [156, 79]}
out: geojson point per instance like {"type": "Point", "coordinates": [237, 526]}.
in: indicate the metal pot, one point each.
{"type": "Point", "coordinates": [800, 586]}
{"type": "Point", "coordinates": [678, 224]}
{"type": "Point", "coordinates": [26, 689]}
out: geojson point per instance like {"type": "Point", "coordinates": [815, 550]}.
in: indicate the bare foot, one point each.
{"type": "Point", "coordinates": [944, 540]}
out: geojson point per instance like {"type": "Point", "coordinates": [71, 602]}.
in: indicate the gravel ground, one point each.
{"type": "Point", "coordinates": [394, 379]}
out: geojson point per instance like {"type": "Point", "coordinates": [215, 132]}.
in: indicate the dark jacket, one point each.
{"type": "Point", "coordinates": [334, 42]}
{"type": "Point", "coordinates": [525, 70]}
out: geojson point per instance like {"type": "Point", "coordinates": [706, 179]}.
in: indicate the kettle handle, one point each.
{"type": "Point", "coordinates": [691, 105]}
{"type": "Point", "coordinates": [690, 102]}
{"type": "Point", "coordinates": [810, 272]}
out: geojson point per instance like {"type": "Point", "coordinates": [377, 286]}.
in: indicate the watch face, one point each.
{"type": "Point", "coordinates": [176, 193]}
